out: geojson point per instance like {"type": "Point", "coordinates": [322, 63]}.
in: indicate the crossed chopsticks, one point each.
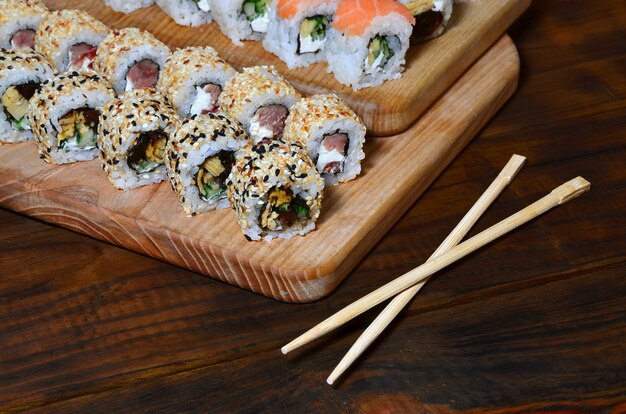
{"type": "Point", "coordinates": [407, 285]}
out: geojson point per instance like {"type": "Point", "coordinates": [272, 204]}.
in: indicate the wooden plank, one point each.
{"type": "Point", "coordinates": [355, 215]}
{"type": "Point", "coordinates": [386, 110]}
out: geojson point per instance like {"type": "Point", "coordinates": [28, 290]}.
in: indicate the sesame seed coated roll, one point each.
{"type": "Point", "coordinates": [69, 39]}
{"type": "Point", "coordinates": [193, 79]}
{"type": "Point", "coordinates": [132, 136]}
{"type": "Point", "coordinates": [64, 114]}
{"type": "Point", "coordinates": [260, 99]}
{"type": "Point", "coordinates": [131, 59]}
{"type": "Point", "coordinates": [200, 156]}
{"type": "Point", "coordinates": [332, 134]}
{"type": "Point", "coordinates": [18, 22]}
{"type": "Point", "coordinates": [275, 190]}
{"type": "Point", "coordinates": [21, 73]}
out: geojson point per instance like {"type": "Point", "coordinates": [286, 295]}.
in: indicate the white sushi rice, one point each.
{"type": "Point", "coordinates": [187, 12]}
{"type": "Point", "coordinates": [347, 55]}
{"type": "Point", "coordinates": [128, 6]}
{"type": "Point", "coordinates": [231, 19]}
{"type": "Point", "coordinates": [283, 35]}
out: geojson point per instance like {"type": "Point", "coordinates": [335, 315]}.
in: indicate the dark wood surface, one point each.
{"type": "Point", "coordinates": [535, 322]}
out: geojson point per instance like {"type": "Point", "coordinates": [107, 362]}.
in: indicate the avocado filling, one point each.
{"type": "Point", "coordinates": [212, 174]}
{"type": "Point", "coordinates": [148, 153]}
{"type": "Point", "coordinates": [79, 129]}
{"type": "Point", "coordinates": [312, 34]}
{"type": "Point", "coordinates": [15, 101]}
{"type": "Point", "coordinates": [256, 13]}
{"type": "Point", "coordinates": [379, 53]}
{"type": "Point", "coordinates": [282, 210]}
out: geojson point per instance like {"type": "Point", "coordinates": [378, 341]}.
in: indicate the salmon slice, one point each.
{"type": "Point", "coordinates": [355, 16]}
{"type": "Point", "coordinates": [286, 9]}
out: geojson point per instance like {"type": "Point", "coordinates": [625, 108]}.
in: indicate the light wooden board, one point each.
{"type": "Point", "coordinates": [387, 109]}
{"type": "Point", "coordinates": [354, 217]}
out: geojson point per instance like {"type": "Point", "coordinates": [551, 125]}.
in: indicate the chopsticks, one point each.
{"type": "Point", "coordinates": [558, 196]}
{"type": "Point", "coordinates": [398, 303]}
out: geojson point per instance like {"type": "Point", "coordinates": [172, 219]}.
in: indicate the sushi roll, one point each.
{"type": "Point", "coordinates": [299, 29]}
{"type": "Point", "coordinates": [275, 190]}
{"type": "Point", "coordinates": [187, 12]}
{"type": "Point", "coordinates": [131, 59]}
{"type": "Point", "coordinates": [132, 135]}
{"type": "Point", "coordinates": [200, 157]}
{"type": "Point", "coordinates": [370, 41]}
{"type": "Point", "coordinates": [260, 99]}
{"type": "Point", "coordinates": [332, 134]}
{"type": "Point", "coordinates": [18, 22]}
{"type": "Point", "coordinates": [431, 17]}
{"type": "Point", "coordinates": [21, 73]}
{"type": "Point", "coordinates": [193, 79]}
{"type": "Point", "coordinates": [241, 19]}
{"type": "Point", "coordinates": [128, 6]}
{"type": "Point", "coordinates": [65, 113]}
{"type": "Point", "coordinates": [69, 39]}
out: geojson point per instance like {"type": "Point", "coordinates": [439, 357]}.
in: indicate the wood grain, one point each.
{"type": "Point", "coordinates": [355, 215]}
{"type": "Point", "coordinates": [534, 323]}
{"type": "Point", "coordinates": [386, 110]}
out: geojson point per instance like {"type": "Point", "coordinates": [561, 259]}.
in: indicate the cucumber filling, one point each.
{"type": "Point", "coordinates": [212, 174]}
{"type": "Point", "coordinates": [282, 210]}
{"type": "Point", "coordinates": [256, 13]}
{"type": "Point", "coordinates": [312, 36]}
{"type": "Point", "coordinates": [379, 52]}
{"type": "Point", "coordinates": [78, 129]}
{"type": "Point", "coordinates": [15, 102]}
{"type": "Point", "coordinates": [148, 152]}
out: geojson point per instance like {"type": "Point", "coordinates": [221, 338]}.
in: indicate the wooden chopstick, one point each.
{"type": "Point", "coordinates": [558, 196]}
{"type": "Point", "coordinates": [398, 303]}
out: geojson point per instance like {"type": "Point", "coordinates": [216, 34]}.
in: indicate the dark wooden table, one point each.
{"type": "Point", "coordinates": [535, 322]}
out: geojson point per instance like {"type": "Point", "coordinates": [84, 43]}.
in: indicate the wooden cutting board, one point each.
{"type": "Point", "coordinates": [387, 109]}
{"type": "Point", "coordinates": [354, 217]}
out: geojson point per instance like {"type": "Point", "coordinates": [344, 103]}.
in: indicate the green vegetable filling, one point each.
{"type": "Point", "coordinates": [283, 210]}
{"type": "Point", "coordinates": [254, 9]}
{"type": "Point", "coordinates": [78, 129]}
{"type": "Point", "coordinates": [314, 26]}
{"type": "Point", "coordinates": [377, 46]}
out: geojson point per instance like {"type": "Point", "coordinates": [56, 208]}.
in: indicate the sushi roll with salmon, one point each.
{"type": "Point", "coordinates": [260, 99]}
{"type": "Point", "coordinates": [241, 19]}
{"type": "Point", "coordinates": [21, 73]}
{"type": "Point", "coordinates": [370, 41]}
{"type": "Point", "coordinates": [299, 30]}
{"type": "Point", "coordinates": [431, 17]}
{"type": "Point", "coordinates": [133, 133]}
{"type": "Point", "coordinates": [128, 6]}
{"type": "Point", "coordinates": [200, 157]}
{"type": "Point", "coordinates": [131, 59]}
{"type": "Point", "coordinates": [69, 39]}
{"type": "Point", "coordinates": [187, 12]}
{"type": "Point", "coordinates": [332, 134]}
{"type": "Point", "coordinates": [64, 114]}
{"type": "Point", "coordinates": [18, 23]}
{"type": "Point", "coordinates": [193, 79]}
{"type": "Point", "coordinates": [275, 190]}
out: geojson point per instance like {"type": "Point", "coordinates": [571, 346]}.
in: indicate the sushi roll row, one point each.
{"type": "Point", "coordinates": [364, 42]}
